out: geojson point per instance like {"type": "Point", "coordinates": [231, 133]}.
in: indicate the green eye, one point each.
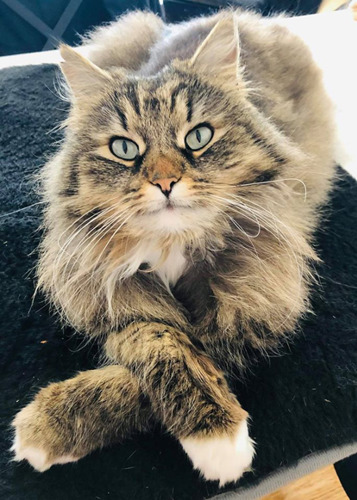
{"type": "Point", "coordinates": [124, 148]}
{"type": "Point", "coordinates": [199, 137]}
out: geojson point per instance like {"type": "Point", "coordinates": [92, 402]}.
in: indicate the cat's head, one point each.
{"type": "Point", "coordinates": [162, 153]}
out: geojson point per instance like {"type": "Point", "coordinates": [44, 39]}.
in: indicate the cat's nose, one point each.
{"type": "Point", "coordinates": [166, 185]}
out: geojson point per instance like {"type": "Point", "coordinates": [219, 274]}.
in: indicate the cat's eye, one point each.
{"type": "Point", "coordinates": [123, 148]}
{"type": "Point", "coordinates": [199, 137]}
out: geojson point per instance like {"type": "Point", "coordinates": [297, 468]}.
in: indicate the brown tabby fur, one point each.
{"type": "Point", "coordinates": [251, 200]}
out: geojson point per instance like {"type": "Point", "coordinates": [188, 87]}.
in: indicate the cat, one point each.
{"type": "Point", "coordinates": [179, 229]}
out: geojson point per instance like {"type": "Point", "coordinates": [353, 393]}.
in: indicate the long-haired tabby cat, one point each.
{"type": "Point", "coordinates": [181, 210]}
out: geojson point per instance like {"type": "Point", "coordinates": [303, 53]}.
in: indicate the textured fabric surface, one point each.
{"type": "Point", "coordinates": [302, 402]}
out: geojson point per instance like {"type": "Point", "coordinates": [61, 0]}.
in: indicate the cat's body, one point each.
{"type": "Point", "coordinates": [180, 259]}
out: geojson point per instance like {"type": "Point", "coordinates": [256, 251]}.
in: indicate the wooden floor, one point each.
{"type": "Point", "coordinates": [321, 485]}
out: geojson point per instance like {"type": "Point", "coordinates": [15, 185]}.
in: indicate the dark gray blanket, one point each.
{"type": "Point", "coordinates": [302, 402]}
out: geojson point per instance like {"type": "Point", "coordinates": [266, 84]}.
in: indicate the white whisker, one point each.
{"type": "Point", "coordinates": [276, 181]}
{"type": "Point", "coordinates": [22, 209]}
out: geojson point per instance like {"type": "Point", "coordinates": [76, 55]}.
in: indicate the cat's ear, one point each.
{"type": "Point", "coordinates": [83, 77]}
{"type": "Point", "coordinates": [218, 55]}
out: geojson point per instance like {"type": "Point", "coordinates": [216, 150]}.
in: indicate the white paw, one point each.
{"type": "Point", "coordinates": [36, 456]}
{"type": "Point", "coordinates": [223, 458]}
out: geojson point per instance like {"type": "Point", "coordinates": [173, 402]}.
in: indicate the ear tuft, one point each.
{"type": "Point", "coordinates": [218, 55]}
{"type": "Point", "coordinates": [83, 77]}
{"type": "Point", "coordinates": [68, 54]}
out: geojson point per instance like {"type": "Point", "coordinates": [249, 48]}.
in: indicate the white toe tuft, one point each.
{"type": "Point", "coordinates": [221, 458]}
{"type": "Point", "coordinates": [37, 457]}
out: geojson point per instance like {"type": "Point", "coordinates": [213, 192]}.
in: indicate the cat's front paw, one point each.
{"type": "Point", "coordinates": [37, 441]}
{"type": "Point", "coordinates": [223, 458]}
{"type": "Point", "coordinates": [40, 458]}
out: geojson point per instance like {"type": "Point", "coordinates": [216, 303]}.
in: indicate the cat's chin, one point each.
{"type": "Point", "coordinates": [169, 220]}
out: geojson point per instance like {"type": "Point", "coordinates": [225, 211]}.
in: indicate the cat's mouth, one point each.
{"type": "Point", "coordinates": [169, 206]}
{"type": "Point", "coordinates": [167, 209]}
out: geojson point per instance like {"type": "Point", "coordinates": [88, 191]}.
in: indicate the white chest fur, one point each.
{"type": "Point", "coordinates": [170, 269]}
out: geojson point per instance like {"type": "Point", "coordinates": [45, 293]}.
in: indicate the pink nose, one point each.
{"type": "Point", "coordinates": [166, 185]}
